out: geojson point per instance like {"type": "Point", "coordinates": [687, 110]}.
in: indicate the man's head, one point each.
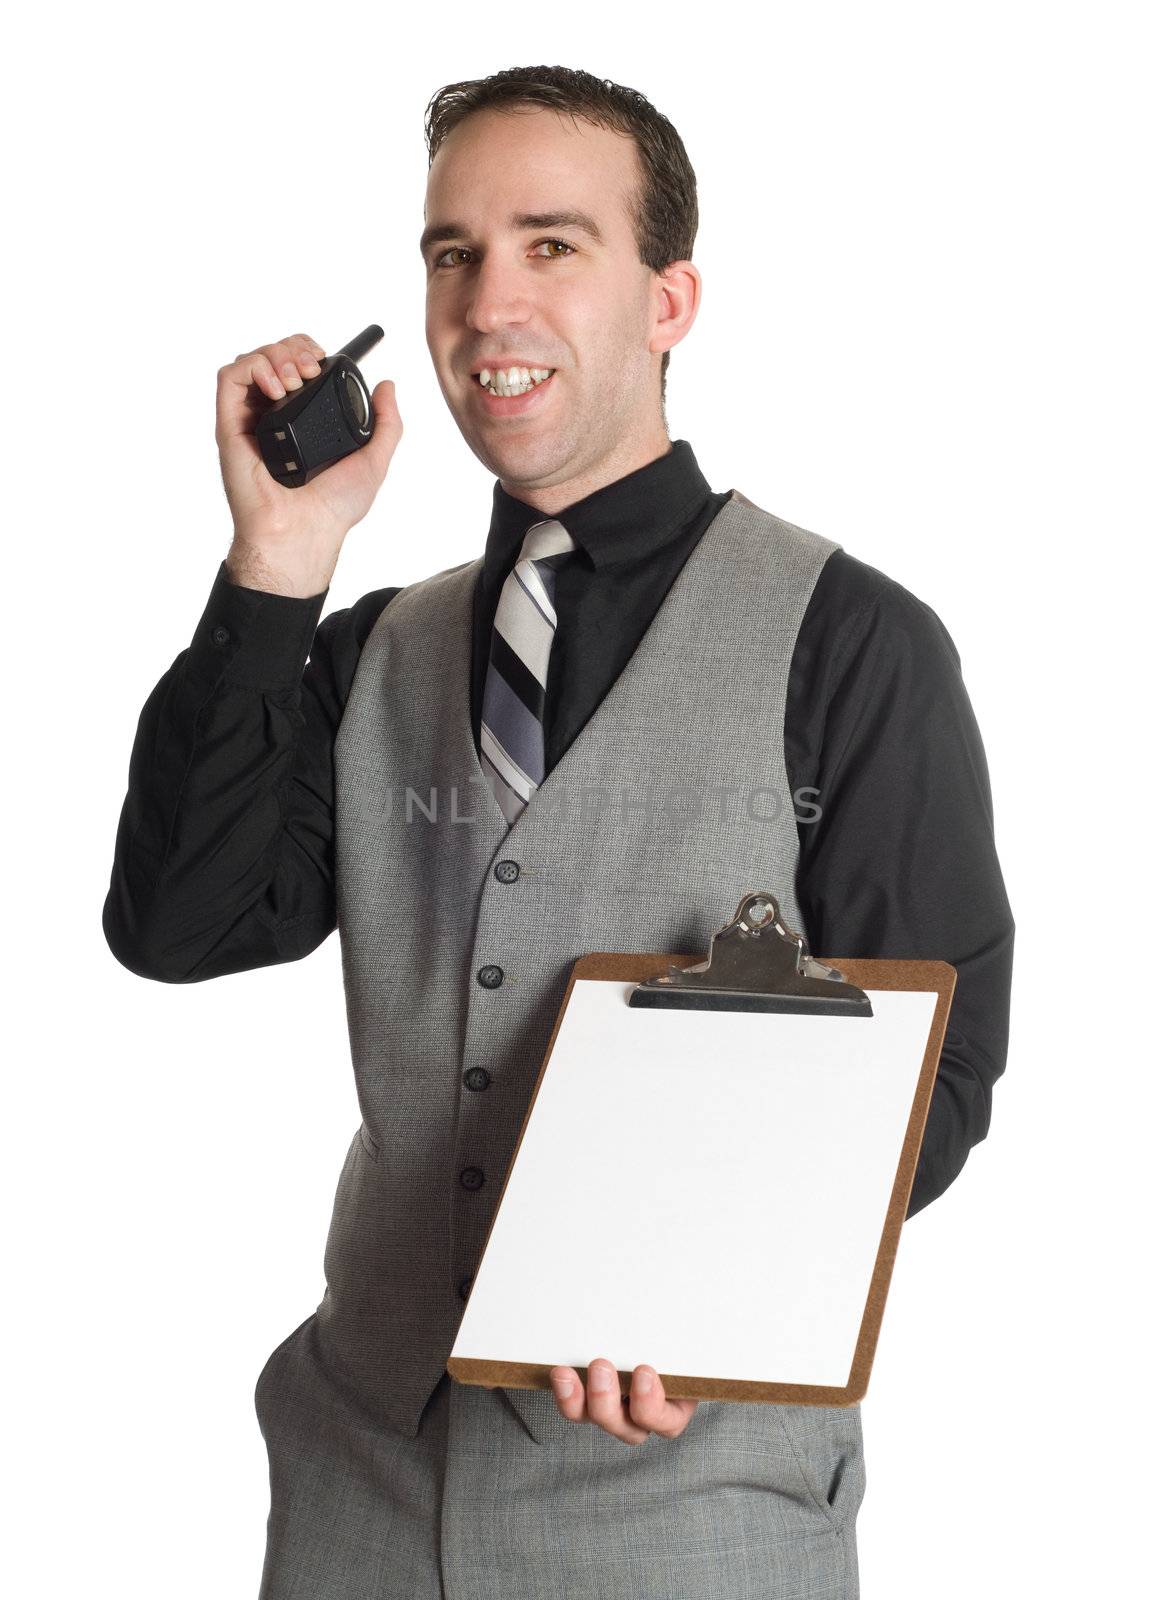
{"type": "Point", "coordinates": [512, 279]}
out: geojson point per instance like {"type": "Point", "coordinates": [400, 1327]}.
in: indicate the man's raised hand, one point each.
{"type": "Point", "coordinates": [287, 540]}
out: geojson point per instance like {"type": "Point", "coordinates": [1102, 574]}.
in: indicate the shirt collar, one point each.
{"type": "Point", "coordinates": [625, 520]}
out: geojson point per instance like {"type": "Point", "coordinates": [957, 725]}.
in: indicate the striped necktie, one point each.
{"type": "Point", "coordinates": [512, 753]}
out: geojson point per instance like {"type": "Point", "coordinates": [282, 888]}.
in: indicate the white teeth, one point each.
{"type": "Point", "coordinates": [514, 380]}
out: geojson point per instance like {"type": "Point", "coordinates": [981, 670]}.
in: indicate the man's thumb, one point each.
{"type": "Point", "coordinates": [387, 425]}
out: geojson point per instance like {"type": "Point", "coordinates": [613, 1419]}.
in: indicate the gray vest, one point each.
{"type": "Point", "coordinates": [457, 933]}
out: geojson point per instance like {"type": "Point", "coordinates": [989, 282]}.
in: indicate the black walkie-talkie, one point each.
{"type": "Point", "coordinates": [323, 421]}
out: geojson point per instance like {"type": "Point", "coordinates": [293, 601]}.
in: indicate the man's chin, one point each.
{"type": "Point", "coordinates": [520, 456]}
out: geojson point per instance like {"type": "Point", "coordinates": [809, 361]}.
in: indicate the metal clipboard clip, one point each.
{"type": "Point", "coordinates": [756, 963]}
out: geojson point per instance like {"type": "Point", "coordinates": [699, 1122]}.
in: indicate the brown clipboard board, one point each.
{"type": "Point", "coordinates": [928, 976]}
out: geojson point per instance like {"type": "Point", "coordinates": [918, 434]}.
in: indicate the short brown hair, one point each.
{"type": "Point", "coordinates": [664, 211]}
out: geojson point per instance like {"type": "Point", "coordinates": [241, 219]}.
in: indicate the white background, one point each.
{"type": "Point", "coordinates": [936, 326]}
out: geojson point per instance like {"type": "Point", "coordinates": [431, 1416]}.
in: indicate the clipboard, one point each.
{"type": "Point", "coordinates": [711, 1257]}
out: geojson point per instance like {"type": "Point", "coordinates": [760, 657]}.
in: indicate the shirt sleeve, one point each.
{"type": "Point", "coordinates": [224, 854]}
{"type": "Point", "coordinates": [898, 853]}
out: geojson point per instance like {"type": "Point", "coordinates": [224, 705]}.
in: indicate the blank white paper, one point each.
{"type": "Point", "coordinates": [702, 1191]}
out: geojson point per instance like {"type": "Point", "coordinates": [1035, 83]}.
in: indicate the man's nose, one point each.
{"type": "Point", "coordinates": [500, 295]}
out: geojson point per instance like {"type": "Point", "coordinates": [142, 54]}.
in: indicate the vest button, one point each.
{"type": "Point", "coordinates": [464, 1288]}
{"type": "Point", "coordinates": [475, 1078]}
{"type": "Point", "coordinates": [490, 977]}
{"type": "Point", "coordinates": [506, 871]}
{"type": "Point", "coordinates": [472, 1177]}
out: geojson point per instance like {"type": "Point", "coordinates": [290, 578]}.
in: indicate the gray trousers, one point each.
{"type": "Point", "coordinates": [499, 1497]}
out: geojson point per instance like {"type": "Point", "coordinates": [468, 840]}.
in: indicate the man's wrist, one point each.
{"type": "Point", "coordinates": [254, 638]}
{"type": "Point", "coordinates": [252, 566]}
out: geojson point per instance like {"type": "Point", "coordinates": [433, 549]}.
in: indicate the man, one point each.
{"type": "Point", "coordinates": [627, 636]}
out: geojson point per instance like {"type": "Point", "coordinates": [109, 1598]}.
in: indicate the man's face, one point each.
{"type": "Point", "coordinates": [503, 290]}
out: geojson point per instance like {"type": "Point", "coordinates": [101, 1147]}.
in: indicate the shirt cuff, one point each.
{"type": "Point", "coordinates": [252, 639]}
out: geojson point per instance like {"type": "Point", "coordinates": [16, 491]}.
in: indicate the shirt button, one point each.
{"type": "Point", "coordinates": [490, 977]}
{"type": "Point", "coordinates": [220, 634]}
{"type": "Point", "coordinates": [506, 871]}
{"type": "Point", "coordinates": [472, 1177]}
{"type": "Point", "coordinates": [464, 1288]}
{"type": "Point", "coordinates": [475, 1078]}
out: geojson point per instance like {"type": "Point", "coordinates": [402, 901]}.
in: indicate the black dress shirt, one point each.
{"type": "Point", "coordinates": [224, 857]}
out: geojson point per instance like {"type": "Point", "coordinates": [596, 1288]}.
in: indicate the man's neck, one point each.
{"type": "Point", "coordinates": [551, 499]}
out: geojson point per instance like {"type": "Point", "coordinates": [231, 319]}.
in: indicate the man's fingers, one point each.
{"type": "Point", "coordinates": [605, 1406]}
{"type": "Point", "coordinates": [631, 1417]}
{"type": "Point", "coordinates": [274, 369]}
{"type": "Point", "coordinates": [568, 1392]}
{"type": "Point", "coordinates": [283, 358]}
{"type": "Point", "coordinates": [601, 1403]}
{"type": "Point", "coordinates": [650, 1409]}
{"type": "Point", "coordinates": [292, 359]}
{"type": "Point", "coordinates": [303, 341]}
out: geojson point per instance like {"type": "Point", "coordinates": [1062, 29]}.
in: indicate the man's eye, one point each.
{"type": "Point", "coordinates": [460, 249]}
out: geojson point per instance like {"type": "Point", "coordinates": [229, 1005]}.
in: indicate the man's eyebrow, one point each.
{"type": "Point", "coordinates": [522, 220]}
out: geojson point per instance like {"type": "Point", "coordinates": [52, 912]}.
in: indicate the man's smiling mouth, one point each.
{"type": "Point", "coordinates": [506, 381]}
